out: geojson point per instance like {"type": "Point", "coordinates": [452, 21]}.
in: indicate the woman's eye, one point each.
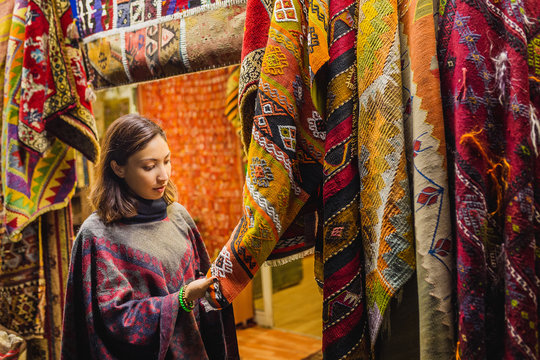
{"type": "Point", "coordinates": [167, 161]}
{"type": "Point", "coordinates": [148, 168]}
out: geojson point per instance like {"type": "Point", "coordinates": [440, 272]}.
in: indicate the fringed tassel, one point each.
{"type": "Point", "coordinates": [89, 94]}
{"type": "Point", "coordinates": [501, 75]}
{"type": "Point", "coordinates": [288, 259]}
{"type": "Point", "coordinates": [535, 128]}
{"type": "Point", "coordinates": [72, 32]}
{"type": "Point", "coordinates": [497, 177]}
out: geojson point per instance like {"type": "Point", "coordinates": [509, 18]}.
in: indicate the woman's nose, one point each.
{"type": "Point", "coordinates": [163, 174]}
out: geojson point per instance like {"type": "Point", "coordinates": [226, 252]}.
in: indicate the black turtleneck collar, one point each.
{"type": "Point", "coordinates": [147, 211]}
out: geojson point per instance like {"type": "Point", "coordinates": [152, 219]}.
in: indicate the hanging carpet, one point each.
{"type": "Point", "coordinates": [490, 95]}
{"type": "Point", "coordinates": [385, 211]}
{"type": "Point", "coordinates": [53, 101]}
{"type": "Point", "coordinates": [32, 183]}
{"type": "Point", "coordinates": [284, 169]}
{"type": "Point", "coordinates": [345, 322]}
{"type": "Point", "coordinates": [33, 276]}
{"type": "Point", "coordinates": [426, 154]}
{"type": "Point", "coordinates": [257, 25]}
{"type": "Point", "coordinates": [132, 41]}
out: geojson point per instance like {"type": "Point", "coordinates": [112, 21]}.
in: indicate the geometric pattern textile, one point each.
{"type": "Point", "coordinates": [32, 184]}
{"type": "Point", "coordinates": [491, 112]}
{"type": "Point", "coordinates": [533, 48]}
{"type": "Point", "coordinates": [207, 163]}
{"type": "Point", "coordinates": [21, 286]}
{"type": "Point", "coordinates": [318, 52]}
{"type": "Point", "coordinates": [385, 204]}
{"type": "Point", "coordinates": [426, 151]}
{"type": "Point", "coordinates": [257, 25]}
{"type": "Point", "coordinates": [57, 241]}
{"type": "Point", "coordinates": [6, 11]}
{"type": "Point", "coordinates": [53, 86]}
{"type": "Point", "coordinates": [32, 281]}
{"type": "Point", "coordinates": [284, 169]}
{"type": "Point", "coordinates": [345, 323]}
{"type": "Point", "coordinates": [129, 41]}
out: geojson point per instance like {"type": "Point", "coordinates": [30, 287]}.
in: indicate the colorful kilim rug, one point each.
{"type": "Point", "coordinates": [534, 88]}
{"type": "Point", "coordinates": [53, 88]}
{"type": "Point", "coordinates": [56, 243]}
{"type": "Point", "coordinates": [207, 163]}
{"type": "Point", "coordinates": [128, 41]}
{"type": "Point", "coordinates": [32, 184]}
{"type": "Point", "coordinates": [492, 121]}
{"type": "Point", "coordinates": [345, 325]}
{"type": "Point", "coordinates": [22, 289]}
{"type": "Point", "coordinates": [258, 14]}
{"type": "Point", "coordinates": [257, 25]}
{"type": "Point", "coordinates": [318, 52]}
{"type": "Point", "coordinates": [285, 157]}
{"type": "Point", "coordinates": [6, 13]}
{"type": "Point", "coordinates": [33, 277]}
{"type": "Point", "coordinates": [385, 205]}
{"type": "Point", "coordinates": [426, 151]}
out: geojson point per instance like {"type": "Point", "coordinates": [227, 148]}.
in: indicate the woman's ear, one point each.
{"type": "Point", "coordinates": [118, 170]}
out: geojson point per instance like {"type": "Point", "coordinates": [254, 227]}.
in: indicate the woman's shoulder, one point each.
{"type": "Point", "coordinates": [92, 224]}
{"type": "Point", "coordinates": [176, 209]}
{"type": "Point", "coordinates": [91, 228]}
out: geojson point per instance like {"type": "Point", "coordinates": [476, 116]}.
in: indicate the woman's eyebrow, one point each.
{"type": "Point", "coordinates": [154, 159]}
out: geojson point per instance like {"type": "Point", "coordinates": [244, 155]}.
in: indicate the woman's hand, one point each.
{"type": "Point", "coordinates": [197, 288]}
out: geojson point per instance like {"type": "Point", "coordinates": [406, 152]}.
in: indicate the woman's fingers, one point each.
{"type": "Point", "coordinates": [197, 288]}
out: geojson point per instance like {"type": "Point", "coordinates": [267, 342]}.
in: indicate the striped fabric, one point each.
{"type": "Point", "coordinates": [345, 332]}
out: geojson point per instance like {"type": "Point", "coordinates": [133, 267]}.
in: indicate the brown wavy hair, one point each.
{"type": "Point", "coordinates": [111, 197]}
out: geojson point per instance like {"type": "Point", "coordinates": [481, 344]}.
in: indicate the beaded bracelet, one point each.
{"type": "Point", "coordinates": [186, 305]}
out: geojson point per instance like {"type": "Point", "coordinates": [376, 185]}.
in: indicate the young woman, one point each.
{"type": "Point", "coordinates": [138, 264]}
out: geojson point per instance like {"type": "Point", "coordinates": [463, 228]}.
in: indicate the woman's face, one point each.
{"type": "Point", "coordinates": [148, 171]}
